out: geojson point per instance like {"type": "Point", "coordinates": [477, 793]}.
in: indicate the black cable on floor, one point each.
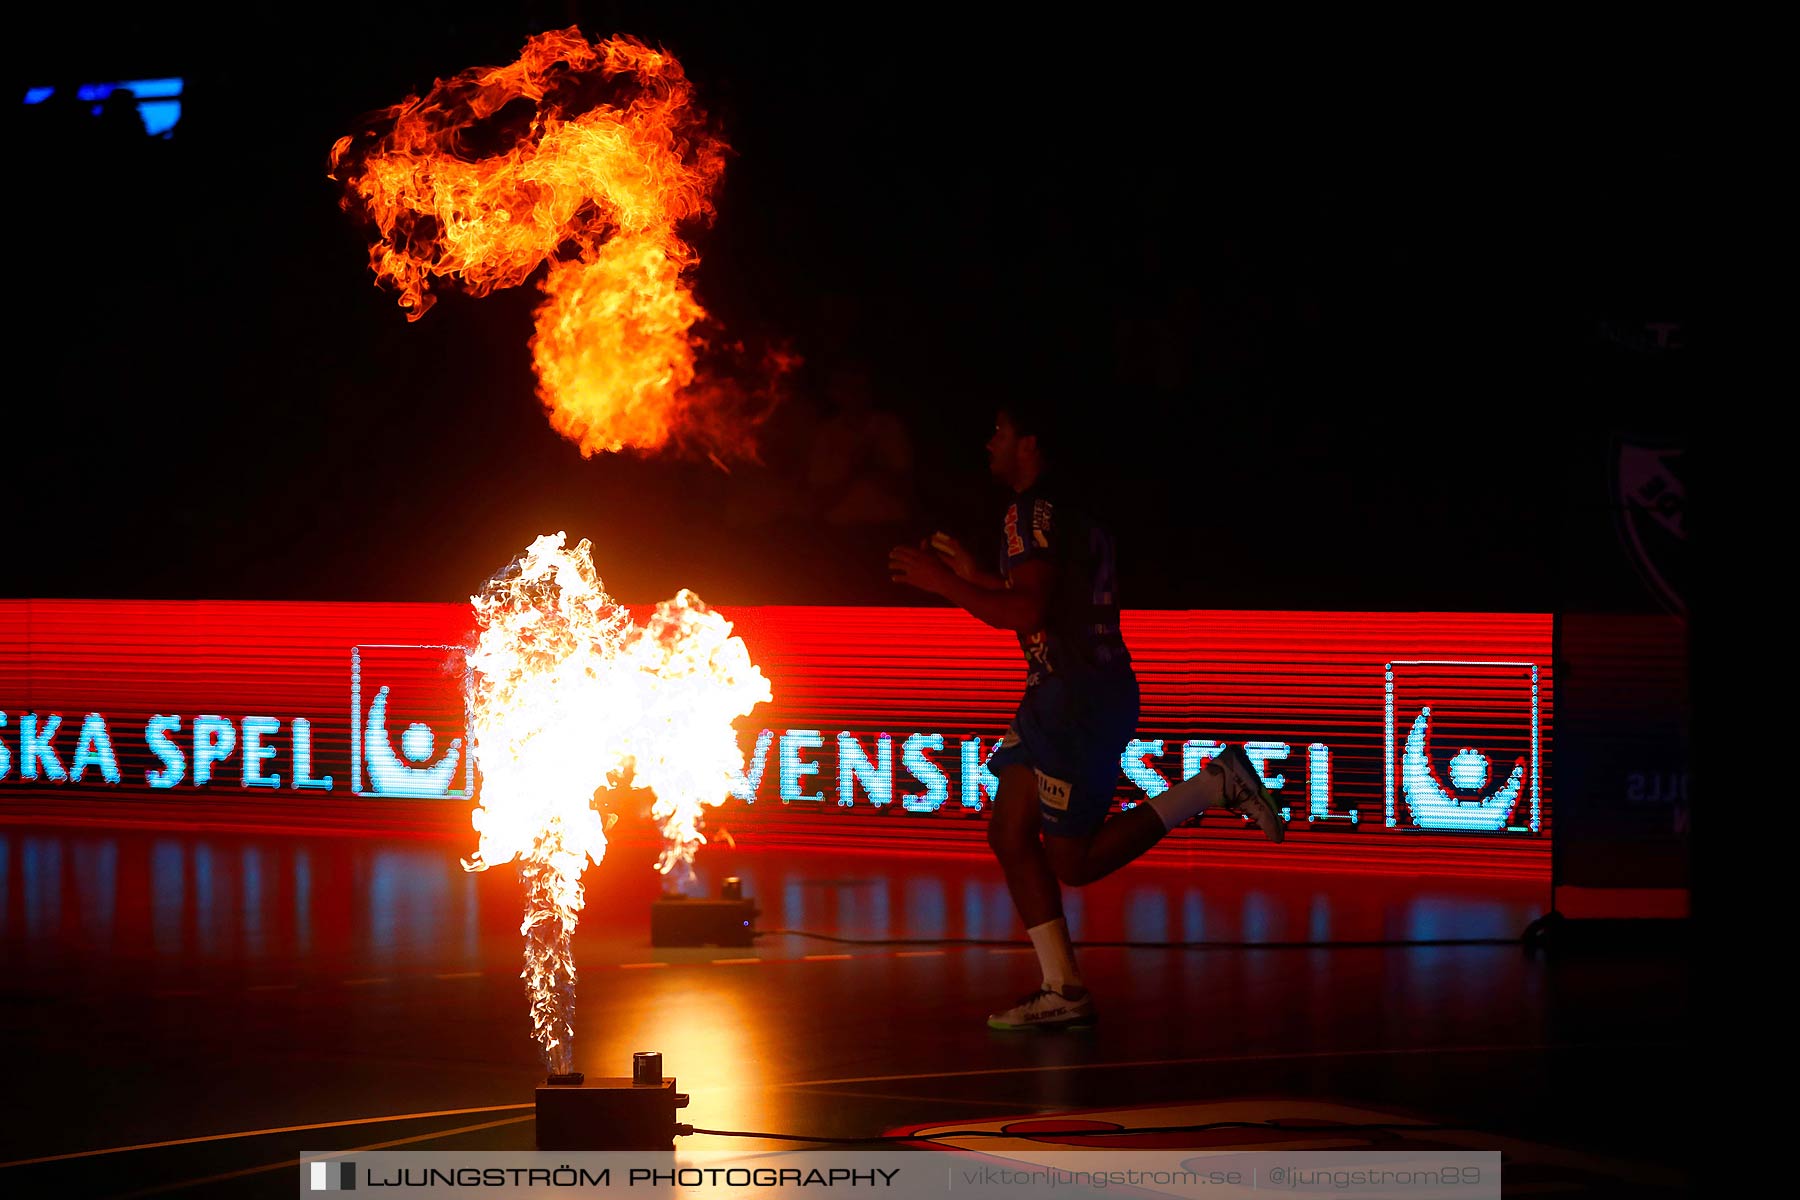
{"type": "Point", "coordinates": [1355, 945]}
{"type": "Point", "coordinates": [1322, 1130]}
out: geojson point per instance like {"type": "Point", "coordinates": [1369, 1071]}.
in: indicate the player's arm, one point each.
{"type": "Point", "coordinates": [1019, 606]}
{"type": "Point", "coordinates": [965, 564]}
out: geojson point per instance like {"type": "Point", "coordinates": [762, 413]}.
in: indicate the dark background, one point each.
{"type": "Point", "coordinates": [1349, 316]}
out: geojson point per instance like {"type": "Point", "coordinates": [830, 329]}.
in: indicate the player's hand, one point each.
{"type": "Point", "coordinates": [955, 556]}
{"type": "Point", "coordinates": [920, 568]}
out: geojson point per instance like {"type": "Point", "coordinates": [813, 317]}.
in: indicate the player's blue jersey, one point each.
{"type": "Point", "coordinates": [1081, 629]}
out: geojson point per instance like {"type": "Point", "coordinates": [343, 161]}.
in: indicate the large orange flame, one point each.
{"type": "Point", "coordinates": [586, 157]}
{"type": "Point", "coordinates": [571, 696]}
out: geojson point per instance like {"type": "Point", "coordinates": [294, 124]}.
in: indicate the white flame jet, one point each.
{"type": "Point", "coordinates": [570, 694]}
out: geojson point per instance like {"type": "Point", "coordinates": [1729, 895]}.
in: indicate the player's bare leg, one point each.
{"type": "Point", "coordinates": [1078, 862]}
{"type": "Point", "coordinates": [1015, 834]}
{"type": "Point", "coordinates": [1230, 781]}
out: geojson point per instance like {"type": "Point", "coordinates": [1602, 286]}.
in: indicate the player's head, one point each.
{"type": "Point", "coordinates": [1018, 452]}
{"type": "Point", "coordinates": [1039, 394]}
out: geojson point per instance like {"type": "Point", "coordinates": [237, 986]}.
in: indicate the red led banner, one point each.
{"type": "Point", "coordinates": [1409, 742]}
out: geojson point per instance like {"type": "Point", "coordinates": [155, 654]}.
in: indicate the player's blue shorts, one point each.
{"type": "Point", "coordinates": [1072, 732]}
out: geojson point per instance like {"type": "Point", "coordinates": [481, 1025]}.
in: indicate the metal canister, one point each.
{"type": "Point", "coordinates": [646, 1068]}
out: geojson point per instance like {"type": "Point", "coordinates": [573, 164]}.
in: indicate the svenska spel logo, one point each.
{"type": "Point", "coordinates": [428, 687]}
{"type": "Point", "coordinates": [1491, 782]}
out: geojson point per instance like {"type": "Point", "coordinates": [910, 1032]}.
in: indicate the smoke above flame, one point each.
{"type": "Point", "coordinates": [582, 158]}
{"type": "Point", "coordinates": [571, 698]}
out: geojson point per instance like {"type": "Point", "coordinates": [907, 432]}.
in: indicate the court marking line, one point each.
{"type": "Point", "coordinates": [224, 1137]}
{"type": "Point", "coordinates": [639, 966]}
{"type": "Point", "coordinates": [459, 974]}
{"type": "Point", "coordinates": [289, 1163]}
{"type": "Point", "coordinates": [826, 957]}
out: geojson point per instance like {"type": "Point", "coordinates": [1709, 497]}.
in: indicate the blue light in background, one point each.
{"type": "Point", "coordinates": [167, 895]}
{"type": "Point", "coordinates": [143, 89]}
{"type": "Point", "coordinates": [1259, 917]}
{"type": "Point", "coordinates": [158, 100]}
{"type": "Point", "coordinates": [383, 887]}
{"type": "Point", "coordinates": [409, 900]}
{"type": "Point", "coordinates": [1319, 919]}
{"type": "Point", "coordinates": [302, 901]}
{"type": "Point", "coordinates": [253, 900]}
{"type": "Point", "coordinates": [97, 887]}
{"type": "Point", "coordinates": [1193, 918]}
{"type": "Point", "coordinates": [43, 887]}
{"type": "Point", "coordinates": [974, 911]}
{"type": "Point", "coordinates": [209, 918]}
{"type": "Point", "coordinates": [1147, 916]}
{"type": "Point", "coordinates": [925, 909]}
{"type": "Point", "coordinates": [471, 922]}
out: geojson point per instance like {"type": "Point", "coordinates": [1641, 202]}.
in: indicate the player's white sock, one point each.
{"type": "Point", "coordinates": [1056, 953]}
{"type": "Point", "coordinates": [1189, 798]}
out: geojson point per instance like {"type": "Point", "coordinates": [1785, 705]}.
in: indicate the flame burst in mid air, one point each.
{"type": "Point", "coordinates": [586, 157]}
{"type": "Point", "coordinates": [570, 697]}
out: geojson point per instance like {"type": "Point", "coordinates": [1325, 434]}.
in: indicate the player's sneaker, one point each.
{"type": "Point", "coordinates": [1245, 793]}
{"type": "Point", "coordinates": [1071, 1007]}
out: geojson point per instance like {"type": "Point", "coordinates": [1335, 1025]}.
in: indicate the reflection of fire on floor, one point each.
{"type": "Point", "coordinates": [1528, 1166]}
